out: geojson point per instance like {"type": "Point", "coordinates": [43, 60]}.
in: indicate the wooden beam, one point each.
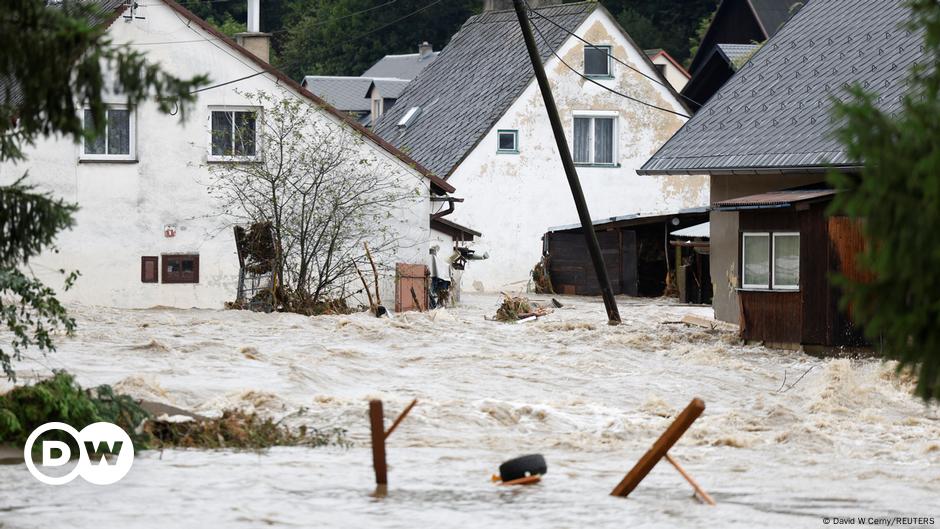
{"type": "Point", "coordinates": [662, 445]}
{"type": "Point", "coordinates": [400, 418]}
{"type": "Point", "coordinates": [698, 490]}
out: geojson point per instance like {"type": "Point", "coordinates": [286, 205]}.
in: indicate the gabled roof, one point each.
{"type": "Point", "coordinates": [406, 66]}
{"type": "Point", "coordinates": [771, 14]}
{"type": "Point", "coordinates": [283, 79]}
{"type": "Point", "coordinates": [474, 80]}
{"type": "Point", "coordinates": [657, 52]}
{"type": "Point", "coordinates": [768, 15]}
{"type": "Point", "coordinates": [774, 113]}
{"type": "Point", "coordinates": [295, 86]}
{"type": "Point", "coordinates": [388, 88]}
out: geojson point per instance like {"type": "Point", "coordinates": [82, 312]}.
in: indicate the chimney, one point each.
{"type": "Point", "coordinates": [425, 50]}
{"type": "Point", "coordinates": [503, 5]}
{"type": "Point", "coordinates": [254, 40]}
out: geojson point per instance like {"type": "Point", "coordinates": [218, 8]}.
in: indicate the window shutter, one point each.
{"type": "Point", "coordinates": [149, 269]}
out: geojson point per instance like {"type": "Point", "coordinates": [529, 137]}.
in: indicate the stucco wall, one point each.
{"type": "Point", "coordinates": [724, 232]}
{"type": "Point", "coordinates": [514, 198]}
{"type": "Point", "coordinates": [125, 206]}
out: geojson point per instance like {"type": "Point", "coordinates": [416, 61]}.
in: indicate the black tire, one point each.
{"type": "Point", "coordinates": [520, 467]}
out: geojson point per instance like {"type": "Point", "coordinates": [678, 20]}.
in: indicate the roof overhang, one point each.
{"type": "Point", "coordinates": [457, 231]}
{"type": "Point", "coordinates": [726, 171]}
{"type": "Point", "coordinates": [775, 199]}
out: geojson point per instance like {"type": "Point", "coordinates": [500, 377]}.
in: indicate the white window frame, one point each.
{"type": "Point", "coordinates": [515, 141]}
{"type": "Point", "coordinates": [770, 263]}
{"type": "Point", "coordinates": [607, 48]}
{"type": "Point", "coordinates": [592, 114]}
{"type": "Point", "coordinates": [773, 261]}
{"type": "Point", "coordinates": [234, 108]}
{"type": "Point", "coordinates": [132, 137]}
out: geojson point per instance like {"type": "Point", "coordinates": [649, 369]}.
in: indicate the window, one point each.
{"type": "Point", "coordinates": [594, 140]}
{"type": "Point", "coordinates": [786, 261]}
{"type": "Point", "coordinates": [234, 134]}
{"type": "Point", "coordinates": [597, 61]}
{"type": "Point", "coordinates": [770, 260]}
{"type": "Point", "coordinates": [116, 142]}
{"type": "Point", "coordinates": [149, 269]}
{"type": "Point", "coordinates": [378, 108]}
{"type": "Point", "coordinates": [507, 141]}
{"type": "Point", "coordinates": [756, 267]}
{"type": "Point", "coordinates": [180, 268]}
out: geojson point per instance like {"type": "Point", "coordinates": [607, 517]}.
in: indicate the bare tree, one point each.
{"type": "Point", "coordinates": [323, 191]}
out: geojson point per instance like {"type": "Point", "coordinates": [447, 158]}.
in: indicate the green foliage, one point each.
{"type": "Point", "coordinates": [898, 196]}
{"type": "Point", "coordinates": [62, 70]}
{"type": "Point", "coordinates": [60, 399]}
{"type": "Point", "coordinates": [29, 222]}
{"type": "Point", "coordinates": [63, 63]}
{"type": "Point", "coordinates": [640, 28]}
{"type": "Point", "coordinates": [229, 25]}
{"type": "Point", "coordinates": [696, 39]}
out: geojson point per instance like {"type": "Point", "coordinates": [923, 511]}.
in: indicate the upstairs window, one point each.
{"type": "Point", "coordinates": [507, 141]}
{"type": "Point", "coordinates": [770, 260]}
{"type": "Point", "coordinates": [597, 61]}
{"type": "Point", "coordinates": [594, 140]}
{"type": "Point", "coordinates": [180, 268]}
{"type": "Point", "coordinates": [116, 142]}
{"type": "Point", "coordinates": [234, 134]}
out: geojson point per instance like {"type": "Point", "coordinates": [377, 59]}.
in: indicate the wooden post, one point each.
{"type": "Point", "coordinates": [662, 445]}
{"type": "Point", "coordinates": [366, 287]}
{"type": "Point", "coordinates": [375, 272]}
{"type": "Point", "coordinates": [377, 420]}
{"type": "Point", "coordinates": [571, 172]}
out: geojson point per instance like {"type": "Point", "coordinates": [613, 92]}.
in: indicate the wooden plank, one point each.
{"type": "Point", "coordinates": [377, 422]}
{"type": "Point", "coordinates": [400, 418]}
{"type": "Point", "coordinates": [662, 445]}
{"type": "Point", "coordinates": [688, 477]}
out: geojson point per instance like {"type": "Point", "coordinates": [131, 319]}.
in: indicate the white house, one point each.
{"type": "Point", "coordinates": [476, 117]}
{"type": "Point", "coordinates": [148, 232]}
{"type": "Point", "coordinates": [677, 76]}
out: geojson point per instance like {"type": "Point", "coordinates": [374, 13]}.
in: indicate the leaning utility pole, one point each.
{"type": "Point", "coordinates": [570, 171]}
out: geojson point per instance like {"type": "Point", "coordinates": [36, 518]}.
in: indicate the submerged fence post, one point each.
{"type": "Point", "coordinates": [662, 445]}
{"type": "Point", "coordinates": [379, 435]}
{"type": "Point", "coordinates": [377, 421]}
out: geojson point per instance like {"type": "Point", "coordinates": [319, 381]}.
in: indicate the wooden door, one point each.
{"type": "Point", "coordinates": [408, 277]}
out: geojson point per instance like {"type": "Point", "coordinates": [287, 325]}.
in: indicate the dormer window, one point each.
{"type": "Point", "coordinates": [597, 61]}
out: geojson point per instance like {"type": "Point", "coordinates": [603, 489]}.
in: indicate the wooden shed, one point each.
{"type": "Point", "coordinates": [789, 248]}
{"type": "Point", "coordinates": [636, 252]}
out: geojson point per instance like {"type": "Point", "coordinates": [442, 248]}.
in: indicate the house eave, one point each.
{"type": "Point", "coordinates": [731, 171]}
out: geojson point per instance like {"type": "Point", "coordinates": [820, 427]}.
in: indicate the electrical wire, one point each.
{"type": "Point", "coordinates": [609, 54]}
{"type": "Point", "coordinates": [586, 78]}
{"type": "Point", "coordinates": [321, 22]}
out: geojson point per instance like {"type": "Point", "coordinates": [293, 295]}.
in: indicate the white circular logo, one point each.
{"type": "Point", "coordinates": [100, 438]}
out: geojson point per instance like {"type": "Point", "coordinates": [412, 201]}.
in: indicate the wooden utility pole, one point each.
{"type": "Point", "coordinates": [571, 172]}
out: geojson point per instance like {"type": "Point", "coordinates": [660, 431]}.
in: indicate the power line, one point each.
{"type": "Point", "coordinates": [228, 82]}
{"type": "Point", "coordinates": [586, 78]}
{"type": "Point", "coordinates": [609, 54]}
{"type": "Point", "coordinates": [397, 20]}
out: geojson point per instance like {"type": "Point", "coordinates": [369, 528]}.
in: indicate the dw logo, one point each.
{"type": "Point", "coordinates": [97, 437]}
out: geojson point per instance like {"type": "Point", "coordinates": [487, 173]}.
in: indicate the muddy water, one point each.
{"type": "Point", "coordinates": [847, 439]}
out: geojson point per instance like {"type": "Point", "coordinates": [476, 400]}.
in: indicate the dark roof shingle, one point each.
{"type": "Point", "coordinates": [472, 83]}
{"type": "Point", "coordinates": [774, 113]}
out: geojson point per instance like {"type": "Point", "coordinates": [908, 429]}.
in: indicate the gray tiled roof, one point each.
{"type": "Point", "coordinates": [775, 112]}
{"type": "Point", "coordinates": [401, 66]}
{"type": "Point", "coordinates": [737, 53]}
{"type": "Point", "coordinates": [390, 88]}
{"type": "Point", "coordinates": [345, 93]}
{"type": "Point", "coordinates": [472, 83]}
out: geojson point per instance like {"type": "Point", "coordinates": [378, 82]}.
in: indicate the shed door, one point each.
{"type": "Point", "coordinates": [628, 263]}
{"type": "Point", "coordinates": [408, 277]}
